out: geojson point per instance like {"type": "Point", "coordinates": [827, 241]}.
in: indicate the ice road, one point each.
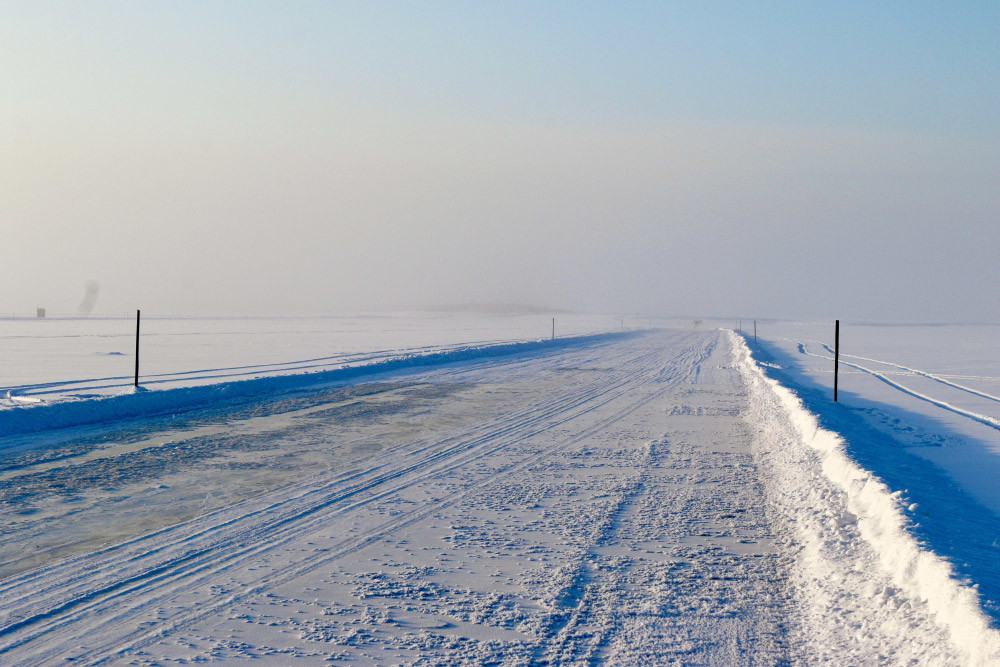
{"type": "Point", "coordinates": [636, 499]}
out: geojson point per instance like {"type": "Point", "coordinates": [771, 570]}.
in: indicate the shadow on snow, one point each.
{"type": "Point", "coordinates": [947, 519]}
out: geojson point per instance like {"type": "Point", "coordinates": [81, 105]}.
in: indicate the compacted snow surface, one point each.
{"type": "Point", "coordinates": [631, 498]}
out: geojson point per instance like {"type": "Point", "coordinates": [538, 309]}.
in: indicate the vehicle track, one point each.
{"type": "Point", "coordinates": [515, 368]}
{"type": "Point", "coordinates": [986, 420]}
{"type": "Point", "coordinates": [917, 371]}
{"type": "Point", "coordinates": [298, 366]}
{"type": "Point", "coordinates": [292, 571]}
{"type": "Point", "coordinates": [231, 539]}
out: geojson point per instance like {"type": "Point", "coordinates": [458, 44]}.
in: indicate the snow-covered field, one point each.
{"type": "Point", "coordinates": [648, 496]}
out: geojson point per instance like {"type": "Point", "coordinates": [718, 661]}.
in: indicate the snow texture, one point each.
{"type": "Point", "coordinates": [652, 498]}
{"type": "Point", "coordinates": [917, 409]}
{"type": "Point", "coordinates": [857, 553]}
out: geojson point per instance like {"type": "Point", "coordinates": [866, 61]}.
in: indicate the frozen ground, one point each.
{"type": "Point", "coordinates": [650, 497]}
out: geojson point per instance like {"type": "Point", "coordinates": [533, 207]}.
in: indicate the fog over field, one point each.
{"type": "Point", "coordinates": [786, 161]}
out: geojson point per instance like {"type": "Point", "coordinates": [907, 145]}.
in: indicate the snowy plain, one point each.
{"type": "Point", "coordinates": [648, 496]}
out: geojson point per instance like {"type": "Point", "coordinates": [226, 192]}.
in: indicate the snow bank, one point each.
{"type": "Point", "coordinates": [20, 420]}
{"type": "Point", "coordinates": [858, 563]}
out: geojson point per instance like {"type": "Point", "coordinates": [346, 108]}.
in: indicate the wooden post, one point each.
{"type": "Point", "coordinates": [553, 328]}
{"type": "Point", "coordinates": [836, 357]}
{"type": "Point", "coordinates": [137, 348]}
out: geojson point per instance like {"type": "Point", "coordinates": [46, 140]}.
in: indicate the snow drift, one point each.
{"type": "Point", "coordinates": [858, 561]}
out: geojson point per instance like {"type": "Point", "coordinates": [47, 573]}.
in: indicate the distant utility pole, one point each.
{"type": "Point", "coordinates": [755, 332]}
{"type": "Point", "coordinates": [137, 348]}
{"type": "Point", "coordinates": [553, 328]}
{"type": "Point", "coordinates": [836, 357]}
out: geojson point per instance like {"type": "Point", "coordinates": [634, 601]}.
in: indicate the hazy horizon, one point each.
{"type": "Point", "coordinates": [676, 160]}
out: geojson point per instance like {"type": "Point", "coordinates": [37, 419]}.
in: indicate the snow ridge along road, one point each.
{"type": "Point", "coordinates": [23, 413]}
{"type": "Point", "coordinates": [638, 499]}
{"type": "Point", "coordinates": [857, 553]}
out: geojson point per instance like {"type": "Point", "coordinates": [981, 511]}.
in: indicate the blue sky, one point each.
{"type": "Point", "coordinates": [920, 65]}
{"type": "Point", "coordinates": [704, 158]}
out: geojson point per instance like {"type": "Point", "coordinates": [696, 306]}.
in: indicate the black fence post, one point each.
{"type": "Point", "coordinates": [137, 348]}
{"type": "Point", "coordinates": [836, 357]}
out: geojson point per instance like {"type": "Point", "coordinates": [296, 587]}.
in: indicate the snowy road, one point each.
{"type": "Point", "coordinates": [648, 499]}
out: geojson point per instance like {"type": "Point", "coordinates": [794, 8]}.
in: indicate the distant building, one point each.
{"type": "Point", "coordinates": [39, 312]}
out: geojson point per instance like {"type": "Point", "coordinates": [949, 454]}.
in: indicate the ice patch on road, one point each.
{"type": "Point", "coordinates": [867, 587]}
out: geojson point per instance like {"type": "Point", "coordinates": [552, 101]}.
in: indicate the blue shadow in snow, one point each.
{"type": "Point", "coordinates": [947, 520]}
{"type": "Point", "coordinates": [141, 403]}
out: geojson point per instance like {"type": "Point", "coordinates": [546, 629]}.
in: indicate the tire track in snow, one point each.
{"type": "Point", "coordinates": [992, 422]}
{"type": "Point", "coordinates": [917, 371]}
{"type": "Point", "coordinates": [575, 605]}
{"type": "Point", "coordinates": [277, 368]}
{"type": "Point", "coordinates": [531, 416]}
{"type": "Point", "coordinates": [354, 545]}
{"type": "Point", "coordinates": [613, 608]}
{"type": "Point", "coordinates": [512, 366]}
{"type": "Point", "coordinates": [161, 576]}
